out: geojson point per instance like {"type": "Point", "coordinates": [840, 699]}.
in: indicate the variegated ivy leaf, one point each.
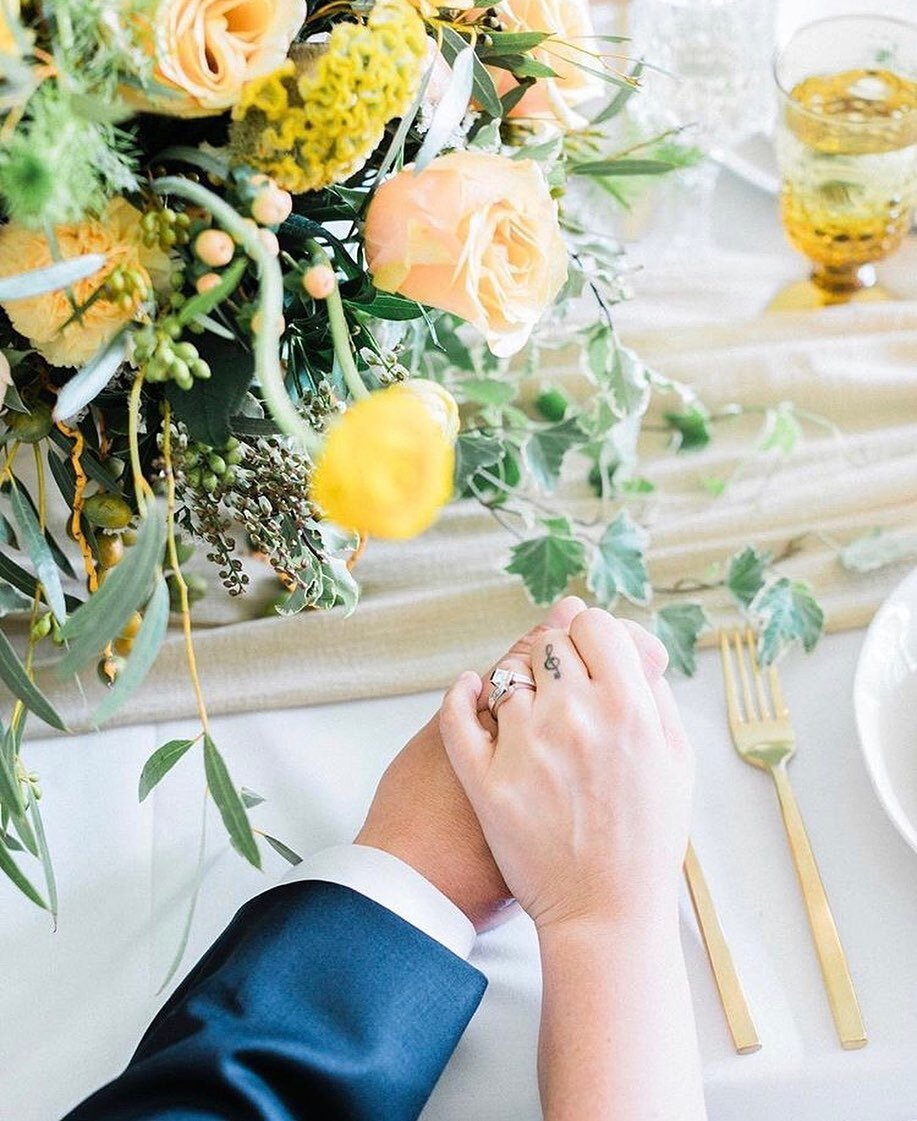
{"type": "Point", "coordinates": [878, 549]}
{"type": "Point", "coordinates": [691, 428]}
{"type": "Point", "coordinates": [546, 447]}
{"type": "Point", "coordinates": [549, 562]}
{"type": "Point", "coordinates": [785, 612]}
{"type": "Point", "coordinates": [782, 430]}
{"type": "Point", "coordinates": [746, 574]}
{"type": "Point", "coordinates": [679, 626]}
{"type": "Point", "coordinates": [618, 567]}
{"type": "Point", "coordinates": [474, 450]}
{"type": "Point", "coordinates": [617, 369]}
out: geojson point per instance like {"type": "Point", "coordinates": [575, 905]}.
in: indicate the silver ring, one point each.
{"type": "Point", "coordinates": [505, 682]}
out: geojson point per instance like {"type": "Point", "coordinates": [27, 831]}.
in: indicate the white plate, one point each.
{"type": "Point", "coordinates": [885, 702]}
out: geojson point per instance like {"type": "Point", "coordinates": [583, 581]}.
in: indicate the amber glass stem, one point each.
{"type": "Point", "coordinates": [841, 279]}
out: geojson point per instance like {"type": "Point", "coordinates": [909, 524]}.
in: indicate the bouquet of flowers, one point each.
{"type": "Point", "coordinates": [263, 267]}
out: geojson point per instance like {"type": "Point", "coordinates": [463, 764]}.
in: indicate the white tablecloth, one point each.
{"type": "Point", "coordinates": [75, 1001]}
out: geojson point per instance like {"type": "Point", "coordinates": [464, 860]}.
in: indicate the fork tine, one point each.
{"type": "Point", "coordinates": [756, 674]}
{"type": "Point", "coordinates": [780, 708]}
{"type": "Point", "coordinates": [743, 674]}
{"type": "Point", "coordinates": [732, 695]}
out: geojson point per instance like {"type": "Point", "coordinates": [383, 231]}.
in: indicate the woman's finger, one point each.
{"type": "Point", "coordinates": [519, 656]}
{"type": "Point", "coordinates": [556, 663]}
{"type": "Point", "coordinates": [653, 653]}
{"type": "Point", "coordinates": [610, 655]}
{"type": "Point", "coordinates": [669, 715]}
{"type": "Point", "coordinates": [468, 744]}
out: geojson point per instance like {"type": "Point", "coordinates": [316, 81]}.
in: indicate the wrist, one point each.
{"type": "Point", "coordinates": [645, 926]}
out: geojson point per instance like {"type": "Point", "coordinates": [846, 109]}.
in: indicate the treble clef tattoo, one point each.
{"type": "Point", "coordinates": [551, 661]}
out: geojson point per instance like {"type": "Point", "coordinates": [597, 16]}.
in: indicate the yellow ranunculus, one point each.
{"type": "Point", "coordinates": [116, 235]}
{"type": "Point", "coordinates": [386, 467]}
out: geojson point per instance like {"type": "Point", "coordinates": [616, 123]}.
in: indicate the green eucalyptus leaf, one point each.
{"type": "Point", "coordinates": [205, 302]}
{"type": "Point", "coordinates": [785, 612]}
{"type": "Point", "coordinates": [11, 794]}
{"type": "Point", "coordinates": [147, 643]}
{"type": "Point", "coordinates": [11, 869]}
{"type": "Point", "coordinates": [39, 551]}
{"type": "Point", "coordinates": [51, 278]}
{"type": "Point", "coordinates": [384, 305]}
{"type": "Point", "coordinates": [283, 850]}
{"type": "Point", "coordinates": [623, 166]}
{"type": "Point", "coordinates": [44, 853]}
{"type": "Point", "coordinates": [92, 465]}
{"type": "Point", "coordinates": [126, 588]}
{"type": "Point", "coordinates": [451, 108]}
{"type": "Point", "coordinates": [679, 626]}
{"type": "Point", "coordinates": [485, 92]}
{"type": "Point", "coordinates": [746, 573]}
{"type": "Point", "coordinates": [229, 804]}
{"type": "Point", "coordinates": [160, 763]}
{"type": "Point", "coordinates": [88, 383]}
{"type": "Point", "coordinates": [13, 602]}
{"type": "Point", "coordinates": [512, 42]}
{"type": "Point", "coordinates": [14, 676]}
{"type": "Point", "coordinates": [618, 567]}
{"type": "Point", "coordinates": [549, 562]}
{"type": "Point", "coordinates": [621, 98]}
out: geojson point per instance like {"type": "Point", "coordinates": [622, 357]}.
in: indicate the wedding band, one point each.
{"type": "Point", "coordinates": [505, 682]}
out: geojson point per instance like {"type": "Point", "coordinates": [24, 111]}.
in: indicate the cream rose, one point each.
{"type": "Point", "coordinates": [473, 234]}
{"type": "Point", "coordinates": [554, 99]}
{"type": "Point", "coordinates": [206, 50]}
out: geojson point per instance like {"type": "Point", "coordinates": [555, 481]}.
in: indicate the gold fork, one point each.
{"type": "Point", "coordinates": [763, 736]}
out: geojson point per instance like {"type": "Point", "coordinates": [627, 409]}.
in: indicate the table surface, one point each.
{"type": "Point", "coordinates": [76, 1000]}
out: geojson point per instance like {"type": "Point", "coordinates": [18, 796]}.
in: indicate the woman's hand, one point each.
{"type": "Point", "coordinates": [584, 792]}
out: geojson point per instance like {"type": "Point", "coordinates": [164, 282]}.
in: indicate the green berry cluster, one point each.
{"type": "Point", "coordinates": [207, 468]}
{"type": "Point", "coordinates": [126, 287]}
{"type": "Point", "coordinates": [163, 358]}
{"type": "Point", "coordinates": [165, 227]}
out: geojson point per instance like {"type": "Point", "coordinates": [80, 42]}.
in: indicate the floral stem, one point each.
{"type": "Point", "coordinates": [133, 424]}
{"type": "Point", "coordinates": [176, 567]}
{"type": "Point", "coordinates": [340, 335]}
{"type": "Point", "coordinates": [270, 304]}
{"type": "Point", "coordinates": [7, 468]}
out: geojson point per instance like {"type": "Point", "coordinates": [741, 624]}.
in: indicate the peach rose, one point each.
{"type": "Point", "coordinates": [47, 321]}
{"type": "Point", "coordinates": [474, 234]}
{"type": "Point", "coordinates": [554, 99]}
{"type": "Point", "coordinates": [207, 49]}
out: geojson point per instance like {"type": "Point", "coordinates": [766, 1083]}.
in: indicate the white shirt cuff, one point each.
{"type": "Point", "coordinates": [395, 885]}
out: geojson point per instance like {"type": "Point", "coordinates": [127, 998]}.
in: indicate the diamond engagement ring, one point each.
{"type": "Point", "coordinates": [505, 682]}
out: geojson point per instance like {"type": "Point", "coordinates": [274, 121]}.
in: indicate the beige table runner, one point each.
{"type": "Point", "coordinates": [434, 606]}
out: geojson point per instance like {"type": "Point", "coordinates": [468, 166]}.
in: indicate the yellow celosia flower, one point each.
{"type": "Point", "coordinates": [118, 236]}
{"type": "Point", "coordinates": [386, 467]}
{"type": "Point", "coordinates": [316, 119]}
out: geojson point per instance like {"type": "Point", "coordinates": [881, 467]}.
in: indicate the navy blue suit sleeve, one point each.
{"type": "Point", "coordinates": [315, 1003]}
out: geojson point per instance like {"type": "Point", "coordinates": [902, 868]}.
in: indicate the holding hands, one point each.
{"type": "Point", "coordinates": [583, 790]}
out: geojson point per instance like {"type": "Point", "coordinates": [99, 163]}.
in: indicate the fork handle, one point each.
{"type": "Point", "coordinates": [841, 995]}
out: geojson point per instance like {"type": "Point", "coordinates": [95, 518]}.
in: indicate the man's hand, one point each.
{"type": "Point", "coordinates": [421, 815]}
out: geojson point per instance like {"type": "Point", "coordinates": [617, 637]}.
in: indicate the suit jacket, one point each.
{"type": "Point", "coordinates": [314, 1003]}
